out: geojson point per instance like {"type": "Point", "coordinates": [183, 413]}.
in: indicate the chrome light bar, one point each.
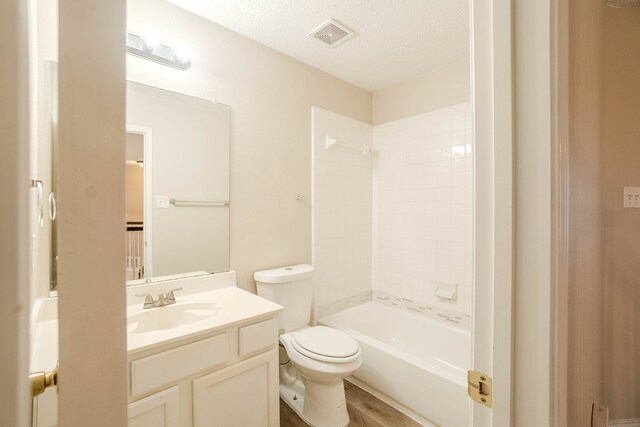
{"type": "Point", "coordinates": [152, 50]}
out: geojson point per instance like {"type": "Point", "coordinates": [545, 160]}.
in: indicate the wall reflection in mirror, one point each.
{"type": "Point", "coordinates": [177, 185]}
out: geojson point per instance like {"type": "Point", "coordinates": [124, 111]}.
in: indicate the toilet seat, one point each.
{"type": "Point", "coordinates": [326, 345]}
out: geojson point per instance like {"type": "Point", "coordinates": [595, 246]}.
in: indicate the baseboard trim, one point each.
{"type": "Point", "coordinates": [625, 423]}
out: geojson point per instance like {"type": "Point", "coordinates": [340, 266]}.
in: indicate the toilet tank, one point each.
{"type": "Point", "coordinates": [292, 288]}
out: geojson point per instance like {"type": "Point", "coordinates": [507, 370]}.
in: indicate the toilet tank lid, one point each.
{"type": "Point", "coordinates": [284, 274]}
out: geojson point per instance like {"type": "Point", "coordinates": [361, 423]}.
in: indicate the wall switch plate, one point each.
{"type": "Point", "coordinates": [631, 197]}
{"type": "Point", "coordinates": [162, 202]}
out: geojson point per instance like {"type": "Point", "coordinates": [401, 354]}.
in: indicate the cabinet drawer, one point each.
{"type": "Point", "coordinates": [257, 337]}
{"type": "Point", "coordinates": [172, 365]}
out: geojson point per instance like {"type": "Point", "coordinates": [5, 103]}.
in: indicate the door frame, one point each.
{"type": "Point", "coordinates": [147, 215]}
{"type": "Point", "coordinates": [560, 212]}
{"type": "Point", "coordinates": [491, 98]}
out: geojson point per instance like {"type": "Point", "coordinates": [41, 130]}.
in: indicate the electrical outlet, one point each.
{"type": "Point", "coordinates": [631, 197]}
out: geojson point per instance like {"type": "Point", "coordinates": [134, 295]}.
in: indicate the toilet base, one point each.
{"type": "Point", "coordinates": [318, 404]}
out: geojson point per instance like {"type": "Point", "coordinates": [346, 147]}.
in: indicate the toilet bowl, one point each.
{"type": "Point", "coordinates": [316, 359]}
{"type": "Point", "coordinates": [322, 361]}
{"type": "Point", "coordinates": [323, 357]}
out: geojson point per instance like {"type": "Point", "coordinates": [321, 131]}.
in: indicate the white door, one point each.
{"type": "Point", "coordinates": [87, 328]}
{"type": "Point", "coordinates": [491, 99]}
{"type": "Point", "coordinates": [14, 217]}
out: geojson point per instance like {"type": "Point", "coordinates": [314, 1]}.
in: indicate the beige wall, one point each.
{"type": "Point", "coordinates": [441, 88]}
{"type": "Point", "coordinates": [584, 258]}
{"type": "Point", "coordinates": [271, 96]}
{"type": "Point", "coordinates": [604, 154]}
{"type": "Point", "coordinates": [620, 164]}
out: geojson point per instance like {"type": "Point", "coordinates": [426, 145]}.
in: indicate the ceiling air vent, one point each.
{"type": "Point", "coordinates": [332, 33]}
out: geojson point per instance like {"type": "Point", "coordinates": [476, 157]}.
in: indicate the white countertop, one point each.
{"type": "Point", "coordinates": [234, 306]}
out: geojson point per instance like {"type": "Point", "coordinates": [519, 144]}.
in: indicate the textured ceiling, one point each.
{"type": "Point", "coordinates": [397, 40]}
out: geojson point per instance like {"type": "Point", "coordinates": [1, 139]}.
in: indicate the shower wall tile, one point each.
{"type": "Point", "coordinates": [342, 210]}
{"type": "Point", "coordinates": [422, 206]}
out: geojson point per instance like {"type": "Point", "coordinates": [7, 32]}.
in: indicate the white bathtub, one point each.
{"type": "Point", "coordinates": [418, 364]}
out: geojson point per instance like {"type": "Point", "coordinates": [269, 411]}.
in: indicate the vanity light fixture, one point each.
{"type": "Point", "coordinates": [149, 48]}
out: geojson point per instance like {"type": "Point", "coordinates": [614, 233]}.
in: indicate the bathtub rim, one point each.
{"type": "Point", "coordinates": [442, 368]}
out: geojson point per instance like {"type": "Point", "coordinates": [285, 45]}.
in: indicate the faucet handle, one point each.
{"type": "Point", "coordinates": [170, 296]}
{"type": "Point", "coordinates": [148, 300]}
{"type": "Point", "coordinates": [147, 297]}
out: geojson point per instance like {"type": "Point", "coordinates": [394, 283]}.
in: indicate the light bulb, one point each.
{"type": "Point", "coordinates": [150, 43]}
{"type": "Point", "coordinates": [182, 55]}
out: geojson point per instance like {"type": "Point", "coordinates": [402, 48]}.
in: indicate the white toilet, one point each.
{"type": "Point", "coordinates": [316, 358]}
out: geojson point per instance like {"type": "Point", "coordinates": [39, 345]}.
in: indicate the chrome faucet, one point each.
{"type": "Point", "coordinates": [164, 298]}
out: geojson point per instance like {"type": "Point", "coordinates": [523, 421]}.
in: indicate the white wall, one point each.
{"type": "Point", "coordinates": [417, 241]}
{"type": "Point", "coordinates": [271, 97]}
{"type": "Point", "coordinates": [398, 222]}
{"type": "Point", "coordinates": [342, 203]}
{"type": "Point", "coordinates": [422, 202]}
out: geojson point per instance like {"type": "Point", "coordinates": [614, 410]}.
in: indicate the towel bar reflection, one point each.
{"type": "Point", "coordinates": [198, 203]}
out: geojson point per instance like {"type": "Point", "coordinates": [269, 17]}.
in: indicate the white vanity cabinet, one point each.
{"type": "Point", "coordinates": [226, 377]}
{"type": "Point", "coordinates": [241, 394]}
{"type": "Point", "coordinates": [160, 409]}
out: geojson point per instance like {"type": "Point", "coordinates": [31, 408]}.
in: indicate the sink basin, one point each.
{"type": "Point", "coordinates": [170, 316]}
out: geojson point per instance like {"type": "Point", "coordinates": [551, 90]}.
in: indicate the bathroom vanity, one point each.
{"type": "Point", "coordinates": [210, 356]}
{"type": "Point", "coordinates": [215, 359]}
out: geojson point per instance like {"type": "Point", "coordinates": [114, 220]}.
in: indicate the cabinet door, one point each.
{"type": "Point", "coordinates": [157, 410]}
{"type": "Point", "coordinates": [242, 395]}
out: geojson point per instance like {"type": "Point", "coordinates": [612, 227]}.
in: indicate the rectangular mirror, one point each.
{"type": "Point", "coordinates": [177, 185]}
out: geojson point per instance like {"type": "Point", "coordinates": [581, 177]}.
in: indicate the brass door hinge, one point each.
{"type": "Point", "coordinates": [40, 381]}
{"type": "Point", "coordinates": [480, 388]}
